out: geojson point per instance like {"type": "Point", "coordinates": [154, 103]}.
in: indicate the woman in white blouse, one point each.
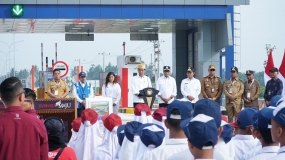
{"type": "Point", "coordinates": [113, 90]}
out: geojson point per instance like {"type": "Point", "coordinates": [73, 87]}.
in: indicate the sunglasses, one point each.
{"type": "Point", "coordinates": [27, 100]}
{"type": "Point", "coordinates": [212, 69]}
{"type": "Point", "coordinates": [166, 70]}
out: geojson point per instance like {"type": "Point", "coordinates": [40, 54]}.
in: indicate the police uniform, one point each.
{"type": "Point", "coordinates": [233, 88]}
{"type": "Point", "coordinates": [251, 92]}
{"type": "Point", "coordinates": [212, 87]}
{"type": "Point", "coordinates": [57, 88]}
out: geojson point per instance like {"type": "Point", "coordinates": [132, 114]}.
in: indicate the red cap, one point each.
{"type": "Point", "coordinates": [225, 118]}
{"type": "Point", "coordinates": [112, 121]}
{"type": "Point", "coordinates": [75, 124]}
{"type": "Point", "coordinates": [142, 107]}
{"type": "Point", "coordinates": [234, 125]}
{"type": "Point", "coordinates": [159, 113]}
{"type": "Point", "coordinates": [89, 115]}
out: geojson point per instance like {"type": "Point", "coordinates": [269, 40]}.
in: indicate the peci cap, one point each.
{"type": "Point", "coordinates": [209, 108]}
{"type": "Point", "coordinates": [273, 70]}
{"type": "Point", "coordinates": [276, 113]}
{"type": "Point", "coordinates": [166, 68]}
{"type": "Point", "coordinates": [76, 123]}
{"type": "Point", "coordinates": [131, 129]}
{"type": "Point", "coordinates": [159, 113]}
{"type": "Point", "coordinates": [212, 67]}
{"type": "Point", "coordinates": [82, 74]}
{"type": "Point", "coordinates": [121, 134]}
{"type": "Point", "coordinates": [112, 121]}
{"type": "Point", "coordinates": [142, 107]}
{"type": "Point", "coordinates": [89, 115]}
{"type": "Point", "coordinates": [190, 69]}
{"type": "Point", "coordinates": [244, 119]}
{"type": "Point", "coordinates": [151, 135]}
{"type": "Point", "coordinates": [275, 100]}
{"type": "Point", "coordinates": [141, 66]}
{"type": "Point", "coordinates": [234, 69]}
{"type": "Point", "coordinates": [184, 110]}
{"type": "Point", "coordinates": [54, 126]}
{"type": "Point", "coordinates": [249, 72]}
{"type": "Point", "coordinates": [200, 130]}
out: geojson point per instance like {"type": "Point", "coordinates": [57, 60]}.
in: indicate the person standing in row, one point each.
{"type": "Point", "coordinates": [211, 85]}
{"type": "Point", "coordinates": [233, 89]}
{"type": "Point", "coordinates": [113, 90]}
{"type": "Point", "coordinates": [190, 87]}
{"type": "Point", "coordinates": [166, 85]}
{"type": "Point", "coordinates": [140, 82]}
{"type": "Point", "coordinates": [57, 88]}
{"type": "Point", "coordinates": [273, 87]}
{"type": "Point", "coordinates": [251, 91]}
{"type": "Point", "coordinates": [81, 91]}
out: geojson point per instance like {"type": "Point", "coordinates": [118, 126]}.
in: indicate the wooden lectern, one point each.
{"type": "Point", "coordinates": [66, 109]}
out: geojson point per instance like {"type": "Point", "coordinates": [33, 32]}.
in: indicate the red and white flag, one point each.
{"type": "Point", "coordinates": [281, 74]}
{"type": "Point", "coordinates": [269, 65]}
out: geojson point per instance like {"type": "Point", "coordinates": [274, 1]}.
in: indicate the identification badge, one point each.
{"type": "Point", "coordinates": [231, 90]}
{"type": "Point", "coordinates": [248, 95]}
{"type": "Point", "coordinates": [269, 93]}
{"type": "Point", "coordinates": [56, 92]}
{"type": "Point", "coordinates": [83, 96]}
{"type": "Point", "coordinates": [213, 90]}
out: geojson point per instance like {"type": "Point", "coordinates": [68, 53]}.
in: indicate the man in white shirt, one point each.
{"type": "Point", "coordinates": [202, 135]}
{"type": "Point", "coordinates": [244, 141]}
{"type": "Point", "coordinates": [140, 82]}
{"type": "Point", "coordinates": [277, 116]}
{"type": "Point", "coordinates": [263, 133]}
{"type": "Point", "coordinates": [81, 91]}
{"type": "Point", "coordinates": [191, 87]}
{"type": "Point", "coordinates": [177, 142]}
{"type": "Point", "coordinates": [166, 85]}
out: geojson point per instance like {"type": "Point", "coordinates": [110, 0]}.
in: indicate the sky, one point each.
{"type": "Point", "coordinates": [262, 22]}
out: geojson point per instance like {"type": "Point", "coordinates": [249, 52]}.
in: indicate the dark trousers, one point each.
{"type": "Point", "coordinates": [193, 104]}
{"type": "Point", "coordinates": [163, 105]}
{"type": "Point", "coordinates": [79, 111]}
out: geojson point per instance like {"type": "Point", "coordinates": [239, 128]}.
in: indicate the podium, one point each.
{"type": "Point", "coordinates": [66, 109]}
{"type": "Point", "coordinates": [149, 95]}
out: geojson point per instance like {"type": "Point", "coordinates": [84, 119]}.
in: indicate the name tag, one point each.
{"type": "Point", "coordinates": [213, 90]}
{"type": "Point", "coordinates": [231, 90]}
{"type": "Point", "coordinates": [56, 92]}
{"type": "Point", "coordinates": [248, 95]}
{"type": "Point", "coordinates": [83, 96]}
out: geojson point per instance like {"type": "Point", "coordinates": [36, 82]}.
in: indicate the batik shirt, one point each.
{"type": "Point", "coordinates": [273, 87]}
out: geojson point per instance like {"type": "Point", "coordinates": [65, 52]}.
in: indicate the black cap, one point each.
{"type": "Point", "coordinates": [190, 69]}
{"type": "Point", "coordinates": [248, 72]}
{"type": "Point", "coordinates": [54, 125]}
{"type": "Point", "coordinates": [166, 68]}
{"type": "Point", "coordinates": [234, 69]}
{"type": "Point", "coordinates": [273, 70]}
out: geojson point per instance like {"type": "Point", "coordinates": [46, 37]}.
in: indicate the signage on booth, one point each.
{"type": "Point", "coordinates": [59, 105]}
{"type": "Point", "coordinates": [62, 66]}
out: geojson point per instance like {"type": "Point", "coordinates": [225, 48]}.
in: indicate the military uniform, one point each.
{"type": "Point", "coordinates": [233, 88]}
{"type": "Point", "coordinates": [251, 91]}
{"type": "Point", "coordinates": [60, 88]}
{"type": "Point", "coordinates": [212, 87]}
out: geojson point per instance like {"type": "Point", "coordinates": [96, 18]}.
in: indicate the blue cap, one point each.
{"type": "Point", "coordinates": [82, 74]}
{"type": "Point", "coordinates": [151, 135]}
{"type": "Point", "coordinates": [276, 113]}
{"type": "Point", "coordinates": [200, 130]}
{"type": "Point", "coordinates": [274, 100]}
{"type": "Point", "coordinates": [121, 134]}
{"type": "Point", "coordinates": [210, 108]}
{"type": "Point", "coordinates": [227, 133]}
{"type": "Point", "coordinates": [131, 129]}
{"type": "Point", "coordinates": [166, 68]}
{"type": "Point", "coordinates": [261, 122]}
{"type": "Point", "coordinates": [245, 117]}
{"type": "Point", "coordinates": [184, 110]}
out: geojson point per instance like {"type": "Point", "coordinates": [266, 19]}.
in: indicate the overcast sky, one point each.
{"type": "Point", "coordinates": [262, 22]}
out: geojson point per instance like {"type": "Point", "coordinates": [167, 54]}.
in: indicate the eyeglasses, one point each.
{"type": "Point", "coordinates": [166, 71]}
{"type": "Point", "coordinates": [212, 70]}
{"type": "Point", "coordinates": [27, 100]}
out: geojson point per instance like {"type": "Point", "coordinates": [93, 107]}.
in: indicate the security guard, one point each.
{"type": "Point", "coordinates": [211, 85]}
{"type": "Point", "coordinates": [251, 91]}
{"type": "Point", "coordinates": [57, 88]}
{"type": "Point", "coordinates": [233, 90]}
